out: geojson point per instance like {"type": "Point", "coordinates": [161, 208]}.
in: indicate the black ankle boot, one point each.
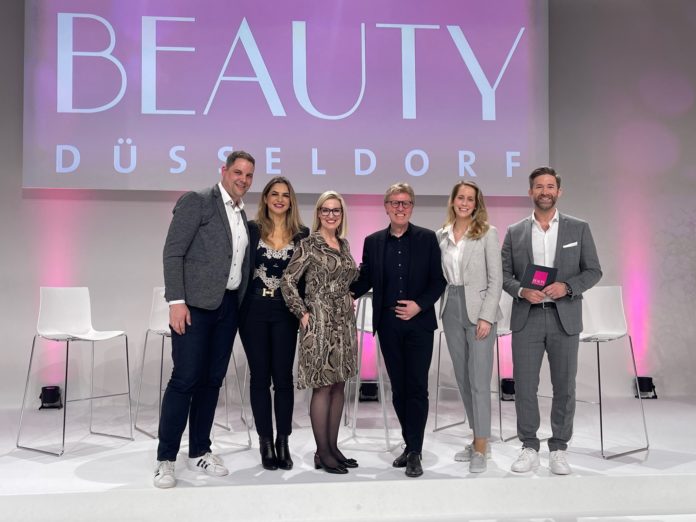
{"type": "Point", "coordinates": [268, 456]}
{"type": "Point", "coordinates": [283, 452]}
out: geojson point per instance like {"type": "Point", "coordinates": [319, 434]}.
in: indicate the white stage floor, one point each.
{"type": "Point", "coordinates": [102, 479]}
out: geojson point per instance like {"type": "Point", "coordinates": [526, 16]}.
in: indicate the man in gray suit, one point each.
{"type": "Point", "coordinates": [547, 320]}
{"type": "Point", "coordinates": [206, 264]}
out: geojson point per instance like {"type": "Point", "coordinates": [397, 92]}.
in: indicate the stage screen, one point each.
{"type": "Point", "coordinates": [350, 96]}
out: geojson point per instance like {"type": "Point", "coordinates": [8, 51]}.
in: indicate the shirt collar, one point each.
{"type": "Point", "coordinates": [227, 200]}
{"type": "Point", "coordinates": [554, 219]}
{"type": "Point", "coordinates": [406, 233]}
{"type": "Point", "coordinates": [449, 231]}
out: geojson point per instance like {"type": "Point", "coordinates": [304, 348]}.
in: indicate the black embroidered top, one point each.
{"type": "Point", "coordinates": [269, 265]}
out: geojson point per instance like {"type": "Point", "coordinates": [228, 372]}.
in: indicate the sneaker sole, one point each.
{"type": "Point", "coordinates": [534, 467]}
{"type": "Point", "coordinates": [165, 485]}
{"type": "Point", "coordinates": [199, 469]}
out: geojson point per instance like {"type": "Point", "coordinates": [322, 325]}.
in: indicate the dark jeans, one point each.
{"type": "Point", "coordinates": [269, 335]}
{"type": "Point", "coordinates": [407, 350]}
{"type": "Point", "coordinates": [200, 358]}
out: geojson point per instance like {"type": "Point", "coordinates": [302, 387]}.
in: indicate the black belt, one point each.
{"type": "Point", "coordinates": [548, 304]}
{"type": "Point", "coordinates": [268, 293]}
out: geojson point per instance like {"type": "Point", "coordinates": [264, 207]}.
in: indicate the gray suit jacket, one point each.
{"type": "Point", "coordinates": [576, 261]}
{"type": "Point", "coordinates": [198, 251]}
{"type": "Point", "coordinates": [482, 277]}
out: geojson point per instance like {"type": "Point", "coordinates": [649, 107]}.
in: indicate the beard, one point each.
{"type": "Point", "coordinates": [546, 203]}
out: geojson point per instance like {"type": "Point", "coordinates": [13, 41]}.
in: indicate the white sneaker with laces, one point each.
{"type": "Point", "coordinates": [527, 461]}
{"type": "Point", "coordinates": [558, 463]}
{"type": "Point", "coordinates": [164, 474]}
{"type": "Point", "coordinates": [465, 454]}
{"type": "Point", "coordinates": [209, 464]}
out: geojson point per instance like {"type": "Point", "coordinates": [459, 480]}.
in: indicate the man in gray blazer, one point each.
{"type": "Point", "coordinates": [547, 320]}
{"type": "Point", "coordinates": [206, 265]}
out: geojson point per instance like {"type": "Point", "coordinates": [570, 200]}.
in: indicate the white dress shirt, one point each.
{"type": "Point", "coordinates": [240, 239]}
{"type": "Point", "coordinates": [452, 255]}
{"type": "Point", "coordinates": [544, 244]}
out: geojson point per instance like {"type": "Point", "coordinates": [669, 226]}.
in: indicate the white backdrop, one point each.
{"type": "Point", "coordinates": [618, 135]}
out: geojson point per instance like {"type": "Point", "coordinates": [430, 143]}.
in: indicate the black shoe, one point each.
{"type": "Point", "coordinates": [413, 465]}
{"type": "Point", "coordinates": [283, 452]}
{"type": "Point", "coordinates": [400, 461]}
{"type": "Point", "coordinates": [338, 470]}
{"type": "Point", "coordinates": [268, 456]}
{"type": "Point", "coordinates": [346, 462]}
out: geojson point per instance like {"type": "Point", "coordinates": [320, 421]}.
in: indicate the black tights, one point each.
{"type": "Point", "coordinates": [325, 411]}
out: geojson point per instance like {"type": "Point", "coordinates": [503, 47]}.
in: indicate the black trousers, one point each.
{"type": "Point", "coordinates": [407, 349]}
{"type": "Point", "coordinates": [269, 334]}
{"type": "Point", "coordinates": [200, 358]}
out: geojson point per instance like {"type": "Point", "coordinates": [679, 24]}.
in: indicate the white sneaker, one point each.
{"type": "Point", "coordinates": [465, 454]}
{"type": "Point", "coordinates": [527, 461]}
{"type": "Point", "coordinates": [558, 463]}
{"type": "Point", "coordinates": [210, 464]}
{"type": "Point", "coordinates": [478, 463]}
{"type": "Point", "coordinates": [164, 474]}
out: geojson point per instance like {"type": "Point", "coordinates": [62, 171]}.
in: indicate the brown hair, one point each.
{"type": "Point", "coordinates": [540, 171]}
{"type": "Point", "coordinates": [239, 154]}
{"type": "Point", "coordinates": [293, 222]}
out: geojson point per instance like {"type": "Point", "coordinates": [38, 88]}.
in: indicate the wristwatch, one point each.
{"type": "Point", "coordinates": [569, 290]}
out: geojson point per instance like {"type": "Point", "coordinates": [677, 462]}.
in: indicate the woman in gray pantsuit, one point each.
{"type": "Point", "coordinates": [470, 309]}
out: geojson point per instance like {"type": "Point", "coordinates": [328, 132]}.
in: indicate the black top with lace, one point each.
{"type": "Point", "coordinates": [269, 265]}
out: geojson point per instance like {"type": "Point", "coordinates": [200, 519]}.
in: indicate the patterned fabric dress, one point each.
{"type": "Point", "coordinates": [328, 352]}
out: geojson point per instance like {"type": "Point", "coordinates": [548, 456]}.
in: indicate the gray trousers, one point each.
{"type": "Point", "coordinates": [472, 360]}
{"type": "Point", "coordinates": [544, 333]}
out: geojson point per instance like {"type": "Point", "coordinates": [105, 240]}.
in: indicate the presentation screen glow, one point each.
{"type": "Point", "coordinates": [350, 96]}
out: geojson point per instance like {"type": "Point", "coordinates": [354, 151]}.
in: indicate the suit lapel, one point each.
{"type": "Point", "coordinates": [379, 255]}
{"type": "Point", "coordinates": [222, 212]}
{"type": "Point", "coordinates": [527, 239]}
{"type": "Point", "coordinates": [560, 238]}
{"type": "Point", "coordinates": [468, 251]}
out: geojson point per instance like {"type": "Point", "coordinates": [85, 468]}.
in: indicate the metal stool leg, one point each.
{"type": "Point", "coordinates": [640, 399]}
{"type": "Point", "coordinates": [437, 391]}
{"type": "Point", "coordinates": [140, 387]}
{"type": "Point", "coordinates": [92, 397]}
{"type": "Point", "coordinates": [24, 400]}
{"type": "Point", "coordinates": [26, 389]}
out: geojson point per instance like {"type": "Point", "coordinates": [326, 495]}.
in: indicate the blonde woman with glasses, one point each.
{"type": "Point", "coordinates": [470, 309]}
{"type": "Point", "coordinates": [327, 356]}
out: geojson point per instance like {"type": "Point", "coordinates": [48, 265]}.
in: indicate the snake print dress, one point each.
{"type": "Point", "coordinates": [327, 352]}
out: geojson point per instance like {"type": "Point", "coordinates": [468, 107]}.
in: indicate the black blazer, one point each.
{"type": "Point", "coordinates": [425, 280]}
{"type": "Point", "coordinates": [254, 238]}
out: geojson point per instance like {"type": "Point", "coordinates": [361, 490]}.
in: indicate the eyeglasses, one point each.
{"type": "Point", "coordinates": [404, 204]}
{"type": "Point", "coordinates": [325, 212]}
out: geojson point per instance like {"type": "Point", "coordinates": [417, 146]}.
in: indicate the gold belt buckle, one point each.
{"type": "Point", "coordinates": [267, 292]}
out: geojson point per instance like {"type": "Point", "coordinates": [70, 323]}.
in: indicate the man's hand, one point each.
{"type": "Point", "coordinates": [556, 290]}
{"type": "Point", "coordinates": [533, 296]}
{"type": "Point", "coordinates": [179, 317]}
{"type": "Point", "coordinates": [407, 309]}
{"type": "Point", "coordinates": [483, 328]}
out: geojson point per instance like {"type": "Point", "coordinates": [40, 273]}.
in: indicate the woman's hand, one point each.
{"type": "Point", "coordinates": [483, 328]}
{"type": "Point", "coordinates": [304, 321]}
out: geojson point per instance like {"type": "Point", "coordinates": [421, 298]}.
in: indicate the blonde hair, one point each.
{"type": "Point", "coordinates": [331, 194]}
{"type": "Point", "coordinates": [479, 217]}
{"type": "Point", "coordinates": [400, 188]}
{"type": "Point", "coordinates": [293, 222]}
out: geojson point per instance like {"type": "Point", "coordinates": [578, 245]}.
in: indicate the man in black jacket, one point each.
{"type": "Point", "coordinates": [401, 264]}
